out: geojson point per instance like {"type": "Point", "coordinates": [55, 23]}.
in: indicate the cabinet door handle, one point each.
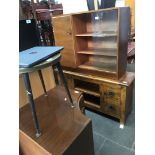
{"type": "Point", "coordinates": [111, 107]}
{"type": "Point", "coordinates": [69, 33]}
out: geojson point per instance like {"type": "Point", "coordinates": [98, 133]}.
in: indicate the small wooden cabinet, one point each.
{"type": "Point", "coordinates": [95, 41]}
{"type": "Point", "coordinates": [111, 97]}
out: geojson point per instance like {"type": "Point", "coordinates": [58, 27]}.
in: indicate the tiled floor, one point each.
{"type": "Point", "coordinates": [109, 139]}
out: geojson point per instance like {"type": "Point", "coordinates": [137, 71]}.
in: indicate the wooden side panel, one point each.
{"type": "Point", "coordinates": [83, 144]}
{"type": "Point", "coordinates": [124, 27]}
{"type": "Point", "coordinates": [131, 3]}
{"type": "Point", "coordinates": [62, 27]}
{"type": "Point", "coordinates": [29, 147]}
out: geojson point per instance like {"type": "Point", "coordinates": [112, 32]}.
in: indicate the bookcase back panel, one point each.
{"type": "Point", "coordinates": [103, 59]}
{"type": "Point", "coordinates": [110, 42]}
{"type": "Point", "coordinates": [100, 21]}
{"type": "Point", "coordinates": [103, 21]}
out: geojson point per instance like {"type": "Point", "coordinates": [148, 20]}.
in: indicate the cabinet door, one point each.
{"type": "Point", "coordinates": [63, 37]}
{"type": "Point", "coordinates": [111, 99]}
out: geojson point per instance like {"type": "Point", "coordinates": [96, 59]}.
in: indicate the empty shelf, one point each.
{"type": "Point", "coordinates": [99, 66]}
{"type": "Point", "coordinates": [98, 34]}
{"type": "Point", "coordinates": [104, 52]}
{"type": "Point", "coordinates": [87, 91]}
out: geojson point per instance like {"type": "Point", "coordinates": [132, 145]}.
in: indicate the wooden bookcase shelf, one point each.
{"type": "Point", "coordinates": [100, 52]}
{"type": "Point", "coordinates": [91, 99]}
{"type": "Point", "coordinates": [88, 88]}
{"type": "Point", "coordinates": [98, 34]}
{"type": "Point", "coordinates": [94, 41]}
{"type": "Point", "coordinates": [91, 105]}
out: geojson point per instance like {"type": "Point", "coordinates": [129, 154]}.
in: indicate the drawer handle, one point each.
{"type": "Point", "coordinates": [111, 107]}
{"type": "Point", "coordinates": [69, 33]}
{"type": "Point", "coordinates": [109, 94]}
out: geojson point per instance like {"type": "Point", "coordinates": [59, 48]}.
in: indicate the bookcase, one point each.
{"type": "Point", "coordinates": [94, 42]}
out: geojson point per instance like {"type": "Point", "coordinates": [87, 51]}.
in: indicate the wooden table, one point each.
{"type": "Point", "coordinates": [65, 130]}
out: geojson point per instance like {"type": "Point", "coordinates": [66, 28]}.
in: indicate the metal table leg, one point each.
{"type": "Point", "coordinates": [55, 76]}
{"type": "Point", "coordinates": [32, 105]}
{"type": "Point", "coordinates": [42, 82]}
{"type": "Point", "coordinates": [64, 82]}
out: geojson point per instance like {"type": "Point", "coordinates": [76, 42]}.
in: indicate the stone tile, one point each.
{"type": "Point", "coordinates": [110, 128]}
{"type": "Point", "coordinates": [131, 67]}
{"type": "Point", "coordinates": [133, 146]}
{"type": "Point", "coordinates": [98, 142]}
{"type": "Point", "coordinates": [110, 148]}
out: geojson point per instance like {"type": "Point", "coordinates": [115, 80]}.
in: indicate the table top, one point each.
{"type": "Point", "coordinates": [33, 56]}
{"type": "Point", "coordinates": [60, 124]}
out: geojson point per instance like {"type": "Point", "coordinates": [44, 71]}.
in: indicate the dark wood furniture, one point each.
{"type": "Point", "coordinates": [95, 41]}
{"type": "Point", "coordinates": [111, 97]}
{"type": "Point", "coordinates": [65, 131]}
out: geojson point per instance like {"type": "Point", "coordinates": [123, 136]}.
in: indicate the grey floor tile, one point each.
{"type": "Point", "coordinates": [110, 148]}
{"type": "Point", "coordinates": [110, 128]}
{"type": "Point", "coordinates": [131, 67]}
{"type": "Point", "coordinates": [98, 142]}
{"type": "Point", "coordinates": [133, 146]}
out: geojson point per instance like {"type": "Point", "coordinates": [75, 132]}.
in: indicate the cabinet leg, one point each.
{"type": "Point", "coordinates": [64, 82]}
{"type": "Point", "coordinates": [31, 101]}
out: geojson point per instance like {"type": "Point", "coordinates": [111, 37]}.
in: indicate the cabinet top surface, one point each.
{"type": "Point", "coordinates": [125, 80]}
{"type": "Point", "coordinates": [60, 124]}
{"type": "Point", "coordinates": [92, 11]}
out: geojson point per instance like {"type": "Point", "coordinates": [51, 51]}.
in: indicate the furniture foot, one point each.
{"type": "Point", "coordinates": [121, 126]}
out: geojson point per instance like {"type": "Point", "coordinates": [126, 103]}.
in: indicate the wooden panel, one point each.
{"type": "Point", "coordinates": [30, 147]}
{"type": "Point", "coordinates": [131, 3]}
{"type": "Point", "coordinates": [124, 26]}
{"type": "Point", "coordinates": [36, 85]}
{"type": "Point", "coordinates": [99, 43]}
{"type": "Point", "coordinates": [111, 99]}
{"type": "Point", "coordinates": [112, 110]}
{"type": "Point", "coordinates": [98, 34]}
{"type": "Point", "coordinates": [99, 67]}
{"type": "Point", "coordinates": [102, 59]}
{"type": "Point", "coordinates": [100, 51]}
{"type": "Point", "coordinates": [62, 27]}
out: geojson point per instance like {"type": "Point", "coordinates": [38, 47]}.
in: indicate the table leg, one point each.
{"type": "Point", "coordinates": [32, 105]}
{"type": "Point", "coordinates": [55, 76]}
{"type": "Point", "coordinates": [64, 82]}
{"type": "Point", "coordinates": [42, 82]}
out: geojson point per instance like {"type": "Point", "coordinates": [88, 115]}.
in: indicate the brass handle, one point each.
{"type": "Point", "coordinates": [111, 107]}
{"type": "Point", "coordinates": [69, 33]}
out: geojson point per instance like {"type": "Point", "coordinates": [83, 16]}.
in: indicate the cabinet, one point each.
{"type": "Point", "coordinates": [110, 97]}
{"type": "Point", "coordinates": [95, 41]}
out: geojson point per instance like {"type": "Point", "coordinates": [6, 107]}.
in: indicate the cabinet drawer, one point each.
{"type": "Point", "coordinates": [111, 93]}
{"type": "Point", "coordinates": [112, 109]}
